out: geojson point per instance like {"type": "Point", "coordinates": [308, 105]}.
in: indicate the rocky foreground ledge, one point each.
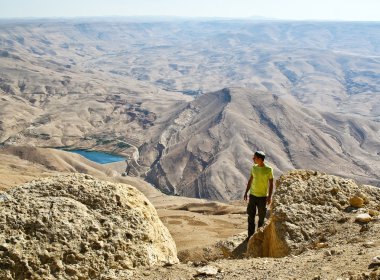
{"type": "Point", "coordinates": [77, 227]}
{"type": "Point", "coordinates": [308, 208]}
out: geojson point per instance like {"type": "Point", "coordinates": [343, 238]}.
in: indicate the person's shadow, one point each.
{"type": "Point", "coordinates": [240, 251]}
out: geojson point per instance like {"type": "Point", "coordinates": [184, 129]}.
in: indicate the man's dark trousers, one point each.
{"type": "Point", "coordinates": [256, 202]}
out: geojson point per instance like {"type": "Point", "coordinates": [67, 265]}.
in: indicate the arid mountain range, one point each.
{"type": "Point", "coordinates": [190, 101]}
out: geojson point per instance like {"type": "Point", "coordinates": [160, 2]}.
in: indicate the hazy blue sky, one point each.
{"type": "Point", "coordinates": [281, 9]}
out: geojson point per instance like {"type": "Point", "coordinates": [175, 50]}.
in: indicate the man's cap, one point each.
{"type": "Point", "coordinates": [260, 154]}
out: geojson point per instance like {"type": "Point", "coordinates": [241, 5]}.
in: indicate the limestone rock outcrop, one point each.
{"type": "Point", "coordinates": [305, 208]}
{"type": "Point", "coordinates": [77, 227]}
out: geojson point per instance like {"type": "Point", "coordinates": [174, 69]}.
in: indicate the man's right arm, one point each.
{"type": "Point", "coordinates": [248, 187]}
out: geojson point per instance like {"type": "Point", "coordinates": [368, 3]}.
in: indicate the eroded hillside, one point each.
{"type": "Point", "coordinates": [306, 93]}
{"type": "Point", "coordinates": [206, 151]}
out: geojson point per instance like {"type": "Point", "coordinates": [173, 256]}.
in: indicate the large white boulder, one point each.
{"type": "Point", "coordinates": [77, 227]}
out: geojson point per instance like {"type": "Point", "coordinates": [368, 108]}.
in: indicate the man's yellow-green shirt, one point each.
{"type": "Point", "coordinates": [261, 176]}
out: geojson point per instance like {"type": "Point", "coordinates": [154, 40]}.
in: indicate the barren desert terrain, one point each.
{"type": "Point", "coordinates": [200, 96]}
{"type": "Point", "coordinates": [187, 102]}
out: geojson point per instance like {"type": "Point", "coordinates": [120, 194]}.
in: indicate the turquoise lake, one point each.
{"type": "Point", "coordinates": [99, 157]}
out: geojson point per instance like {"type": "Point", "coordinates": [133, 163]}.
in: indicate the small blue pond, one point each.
{"type": "Point", "coordinates": [99, 157]}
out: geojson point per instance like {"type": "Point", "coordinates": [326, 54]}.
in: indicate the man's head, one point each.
{"type": "Point", "coordinates": [259, 157]}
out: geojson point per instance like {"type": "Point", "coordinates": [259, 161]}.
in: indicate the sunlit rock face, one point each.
{"type": "Point", "coordinates": [75, 225]}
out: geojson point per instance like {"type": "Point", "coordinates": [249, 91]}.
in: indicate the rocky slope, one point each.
{"type": "Point", "coordinates": [206, 150]}
{"type": "Point", "coordinates": [77, 227]}
{"type": "Point", "coordinates": [57, 160]}
{"type": "Point", "coordinates": [15, 171]}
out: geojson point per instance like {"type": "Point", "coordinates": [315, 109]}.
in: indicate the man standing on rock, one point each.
{"type": "Point", "coordinates": [259, 198]}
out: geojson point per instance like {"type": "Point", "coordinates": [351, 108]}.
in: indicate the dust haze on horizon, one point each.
{"type": "Point", "coordinates": [340, 10]}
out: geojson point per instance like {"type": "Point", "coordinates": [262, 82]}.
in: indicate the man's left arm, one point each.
{"type": "Point", "coordinates": [269, 198]}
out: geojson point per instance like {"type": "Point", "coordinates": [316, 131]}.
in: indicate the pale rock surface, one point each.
{"type": "Point", "coordinates": [307, 206]}
{"type": "Point", "coordinates": [363, 218]}
{"type": "Point", "coordinates": [76, 227]}
{"type": "Point", "coordinates": [207, 270]}
{"type": "Point", "coordinates": [376, 260]}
